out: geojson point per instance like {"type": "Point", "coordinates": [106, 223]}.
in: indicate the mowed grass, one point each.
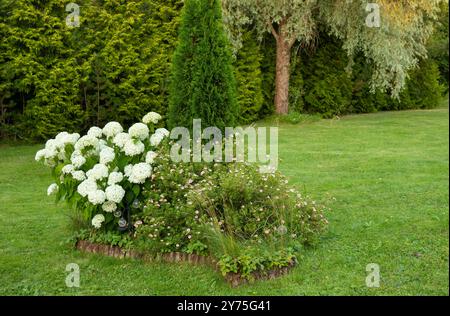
{"type": "Point", "coordinates": [388, 173]}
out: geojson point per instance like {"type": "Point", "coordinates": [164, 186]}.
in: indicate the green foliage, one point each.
{"type": "Point", "coordinates": [438, 45]}
{"type": "Point", "coordinates": [363, 100]}
{"type": "Point", "coordinates": [321, 84]}
{"type": "Point", "coordinates": [124, 241]}
{"type": "Point", "coordinates": [297, 84]}
{"type": "Point", "coordinates": [125, 61]}
{"type": "Point", "coordinates": [268, 77]}
{"type": "Point", "coordinates": [424, 91]}
{"type": "Point", "coordinates": [251, 261]}
{"type": "Point", "coordinates": [167, 224]}
{"type": "Point", "coordinates": [249, 78]}
{"type": "Point", "coordinates": [203, 84]}
{"type": "Point", "coordinates": [115, 66]}
{"type": "Point", "coordinates": [328, 85]}
{"type": "Point", "coordinates": [37, 61]}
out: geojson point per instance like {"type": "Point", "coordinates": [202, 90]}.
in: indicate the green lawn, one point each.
{"type": "Point", "coordinates": [388, 173]}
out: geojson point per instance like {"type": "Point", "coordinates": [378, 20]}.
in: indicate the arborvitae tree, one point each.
{"type": "Point", "coordinates": [297, 84]}
{"type": "Point", "coordinates": [127, 51]}
{"type": "Point", "coordinates": [438, 46]}
{"type": "Point", "coordinates": [203, 84]}
{"type": "Point", "coordinates": [268, 79]}
{"type": "Point", "coordinates": [39, 63]}
{"type": "Point", "coordinates": [249, 78]}
{"type": "Point", "coordinates": [423, 87]}
{"type": "Point", "coordinates": [114, 66]}
{"type": "Point", "coordinates": [328, 86]}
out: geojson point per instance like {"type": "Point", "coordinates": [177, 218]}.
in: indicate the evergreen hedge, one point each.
{"type": "Point", "coordinates": [117, 66]}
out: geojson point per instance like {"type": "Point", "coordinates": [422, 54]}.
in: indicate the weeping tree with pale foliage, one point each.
{"type": "Point", "coordinates": [394, 45]}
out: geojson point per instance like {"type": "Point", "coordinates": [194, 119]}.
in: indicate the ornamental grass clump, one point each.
{"type": "Point", "coordinates": [254, 222]}
{"type": "Point", "coordinates": [103, 173]}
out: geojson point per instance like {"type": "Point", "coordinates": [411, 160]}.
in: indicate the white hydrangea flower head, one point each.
{"type": "Point", "coordinates": [57, 146]}
{"type": "Point", "coordinates": [87, 141]}
{"type": "Point", "coordinates": [51, 144]}
{"type": "Point", "coordinates": [65, 138]}
{"type": "Point", "coordinates": [95, 132]}
{"type": "Point", "coordinates": [79, 175]}
{"type": "Point", "coordinates": [76, 153]}
{"type": "Point", "coordinates": [97, 197]}
{"type": "Point", "coordinates": [121, 139]}
{"type": "Point", "coordinates": [152, 117]}
{"type": "Point", "coordinates": [98, 172]}
{"type": "Point", "coordinates": [115, 193]}
{"type": "Point", "coordinates": [107, 155]}
{"type": "Point", "coordinates": [164, 132]}
{"type": "Point", "coordinates": [128, 169]}
{"type": "Point", "coordinates": [156, 139]}
{"type": "Point", "coordinates": [102, 144]}
{"type": "Point", "coordinates": [68, 169]}
{"type": "Point", "coordinates": [112, 129]}
{"type": "Point", "coordinates": [40, 155]}
{"type": "Point", "coordinates": [98, 220]}
{"type": "Point", "coordinates": [139, 131]}
{"type": "Point", "coordinates": [72, 138]}
{"type": "Point", "coordinates": [115, 177]}
{"type": "Point", "coordinates": [86, 187]}
{"type": "Point", "coordinates": [150, 157]}
{"type": "Point", "coordinates": [51, 149]}
{"type": "Point", "coordinates": [109, 207]}
{"type": "Point", "coordinates": [140, 173]}
{"type": "Point", "coordinates": [133, 148]}
{"type": "Point", "coordinates": [77, 159]}
{"type": "Point", "coordinates": [61, 139]}
{"type": "Point", "coordinates": [52, 189]}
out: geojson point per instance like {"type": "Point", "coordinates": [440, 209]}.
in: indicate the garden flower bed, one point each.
{"type": "Point", "coordinates": [127, 193]}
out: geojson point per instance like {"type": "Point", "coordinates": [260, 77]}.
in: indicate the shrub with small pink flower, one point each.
{"type": "Point", "coordinates": [228, 211]}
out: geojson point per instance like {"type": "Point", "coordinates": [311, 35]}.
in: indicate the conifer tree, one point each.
{"type": "Point", "coordinates": [203, 84]}
{"type": "Point", "coordinates": [249, 78]}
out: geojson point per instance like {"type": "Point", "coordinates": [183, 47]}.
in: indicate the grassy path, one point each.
{"type": "Point", "coordinates": [388, 173]}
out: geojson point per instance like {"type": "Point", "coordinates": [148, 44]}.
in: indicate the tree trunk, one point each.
{"type": "Point", "coordinates": [282, 75]}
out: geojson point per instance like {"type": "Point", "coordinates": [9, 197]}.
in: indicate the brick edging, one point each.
{"type": "Point", "coordinates": [234, 279]}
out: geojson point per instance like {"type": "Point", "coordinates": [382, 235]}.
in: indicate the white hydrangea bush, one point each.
{"type": "Point", "coordinates": [104, 172]}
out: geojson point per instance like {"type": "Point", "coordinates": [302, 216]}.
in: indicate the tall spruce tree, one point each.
{"type": "Point", "coordinates": [203, 84]}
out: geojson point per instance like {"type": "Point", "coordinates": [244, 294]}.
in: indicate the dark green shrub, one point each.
{"type": "Point", "coordinates": [268, 46]}
{"type": "Point", "coordinates": [203, 84]}
{"type": "Point", "coordinates": [249, 78]}
{"type": "Point", "coordinates": [424, 90]}
{"type": "Point", "coordinates": [438, 45]}
{"type": "Point", "coordinates": [115, 66]}
{"type": "Point", "coordinates": [328, 86]}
